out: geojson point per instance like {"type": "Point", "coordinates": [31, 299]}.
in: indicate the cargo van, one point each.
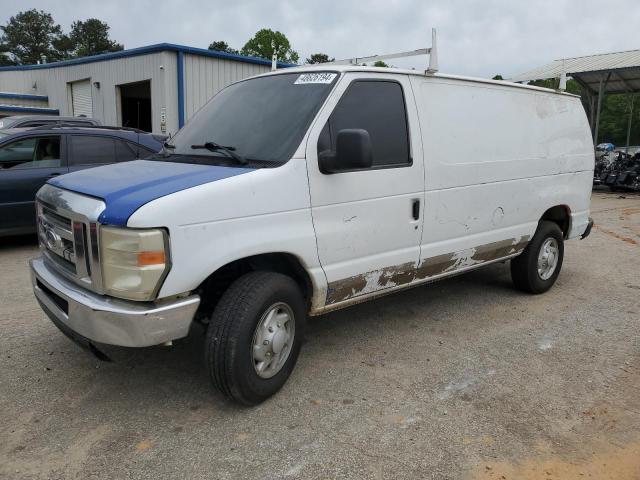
{"type": "Point", "coordinates": [307, 190]}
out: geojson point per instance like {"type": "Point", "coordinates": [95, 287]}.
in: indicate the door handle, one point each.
{"type": "Point", "coordinates": [415, 209]}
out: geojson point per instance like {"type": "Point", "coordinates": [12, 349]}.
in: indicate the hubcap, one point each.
{"type": "Point", "coordinates": [548, 258]}
{"type": "Point", "coordinates": [273, 339]}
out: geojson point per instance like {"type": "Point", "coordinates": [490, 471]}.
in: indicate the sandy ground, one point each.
{"type": "Point", "coordinates": [463, 379]}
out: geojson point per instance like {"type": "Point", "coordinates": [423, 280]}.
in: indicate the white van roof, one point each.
{"type": "Point", "coordinates": [420, 73]}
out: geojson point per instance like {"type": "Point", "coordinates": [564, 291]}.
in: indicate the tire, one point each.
{"type": "Point", "coordinates": [524, 268]}
{"type": "Point", "coordinates": [231, 334]}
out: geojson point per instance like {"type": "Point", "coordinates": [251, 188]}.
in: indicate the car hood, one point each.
{"type": "Point", "coordinates": [127, 186]}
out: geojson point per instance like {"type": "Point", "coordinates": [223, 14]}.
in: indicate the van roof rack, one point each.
{"type": "Point", "coordinates": [431, 51]}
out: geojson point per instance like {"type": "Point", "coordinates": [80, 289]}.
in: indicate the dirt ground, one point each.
{"type": "Point", "coordinates": [463, 379]}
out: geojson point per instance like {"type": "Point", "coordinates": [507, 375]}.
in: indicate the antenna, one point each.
{"type": "Point", "coordinates": [432, 52]}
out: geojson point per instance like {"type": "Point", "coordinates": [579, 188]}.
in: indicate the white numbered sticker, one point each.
{"type": "Point", "coordinates": [322, 77]}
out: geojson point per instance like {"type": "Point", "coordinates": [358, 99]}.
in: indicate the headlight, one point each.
{"type": "Point", "coordinates": [133, 261]}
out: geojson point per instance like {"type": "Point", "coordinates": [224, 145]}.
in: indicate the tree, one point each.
{"type": "Point", "coordinates": [222, 46]}
{"type": "Point", "coordinates": [497, 77]}
{"type": "Point", "coordinates": [614, 119]}
{"type": "Point", "coordinates": [5, 58]}
{"type": "Point", "coordinates": [319, 58]}
{"type": "Point", "coordinates": [64, 47]}
{"type": "Point", "coordinates": [380, 63]}
{"type": "Point", "coordinates": [91, 37]}
{"type": "Point", "coordinates": [29, 36]}
{"type": "Point", "coordinates": [263, 43]}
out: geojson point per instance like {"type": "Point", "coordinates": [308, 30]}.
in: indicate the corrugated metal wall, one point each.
{"type": "Point", "coordinates": [204, 77]}
{"type": "Point", "coordinates": [54, 82]}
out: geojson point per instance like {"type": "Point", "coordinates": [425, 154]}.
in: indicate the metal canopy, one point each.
{"type": "Point", "coordinates": [623, 69]}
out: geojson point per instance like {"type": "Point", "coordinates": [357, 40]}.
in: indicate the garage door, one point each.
{"type": "Point", "coordinates": [81, 98]}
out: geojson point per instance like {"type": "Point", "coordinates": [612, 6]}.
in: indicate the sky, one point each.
{"type": "Point", "coordinates": [478, 38]}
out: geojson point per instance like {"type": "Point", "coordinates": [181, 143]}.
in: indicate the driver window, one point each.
{"type": "Point", "coordinates": [378, 107]}
{"type": "Point", "coordinates": [41, 152]}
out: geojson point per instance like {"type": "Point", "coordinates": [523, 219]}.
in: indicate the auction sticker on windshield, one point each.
{"type": "Point", "coordinates": [322, 77]}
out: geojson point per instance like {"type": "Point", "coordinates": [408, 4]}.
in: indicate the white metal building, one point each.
{"type": "Point", "coordinates": [156, 88]}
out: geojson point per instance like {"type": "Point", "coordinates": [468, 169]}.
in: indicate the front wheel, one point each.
{"type": "Point", "coordinates": [536, 269]}
{"type": "Point", "coordinates": [254, 336]}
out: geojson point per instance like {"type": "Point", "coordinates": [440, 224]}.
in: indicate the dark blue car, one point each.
{"type": "Point", "coordinates": [31, 156]}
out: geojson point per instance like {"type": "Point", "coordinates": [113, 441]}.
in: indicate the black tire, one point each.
{"type": "Point", "coordinates": [230, 335]}
{"type": "Point", "coordinates": [524, 267]}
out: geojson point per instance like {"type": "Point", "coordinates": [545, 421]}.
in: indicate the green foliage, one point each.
{"type": "Point", "coordinates": [614, 118]}
{"type": "Point", "coordinates": [91, 37]}
{"type": "Point", "coordinates": [33, 34]}
{"type": "Point", "coordinates": [222, 46]}
{"type": "Point", "coordinates": [29, 35]}
{"type": "Point", "coordinates": [5, 57]}
{"type": "Point", "coordinates": [319, 58]}
{"type": "Point", "coordinates": [64, 46]}
{"type": "Point", "coordinates": [263, 43]}
{"type": "Point", "coordinates": [497, 77]}
{"type": "Point", "coordinates": [380, 63]}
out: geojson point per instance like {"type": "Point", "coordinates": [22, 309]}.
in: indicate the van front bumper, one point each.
{"type": "Point", "coordinates": [87, 317]}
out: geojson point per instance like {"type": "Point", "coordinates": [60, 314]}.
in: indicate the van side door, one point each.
{"type": "Point", "coordinates": [368, 222]}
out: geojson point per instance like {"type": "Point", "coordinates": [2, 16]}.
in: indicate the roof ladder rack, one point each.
{"type": "Point", "coordinates": [432, 52]}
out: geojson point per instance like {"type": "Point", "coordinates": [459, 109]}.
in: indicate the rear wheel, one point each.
{"type": "Point", "coordinates": [254, 336]}
{"type": "Point", "coordinates": [536, 269]}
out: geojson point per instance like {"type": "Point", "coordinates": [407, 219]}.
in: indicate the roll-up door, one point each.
{"type": "Point", "coordinates": [81, 98]}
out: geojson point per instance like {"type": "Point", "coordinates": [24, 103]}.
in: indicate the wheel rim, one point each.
{"type": "Point", "coordinates": [548, 258]}
{"type": "Point", "coordinates": [273, 339]}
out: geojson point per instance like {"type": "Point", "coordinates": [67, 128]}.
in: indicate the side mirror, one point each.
{"type": "Point", "coordinates": [353, 152]}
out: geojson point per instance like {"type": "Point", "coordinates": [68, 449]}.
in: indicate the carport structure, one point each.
{"type": "Point", "coordinates": [598, 75]}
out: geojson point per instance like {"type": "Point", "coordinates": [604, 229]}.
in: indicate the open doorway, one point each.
{"type": "Point", "coordinates": [135, 105]}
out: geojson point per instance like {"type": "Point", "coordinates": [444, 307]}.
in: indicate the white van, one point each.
{"type": "Point", "coordinates": [307, 190]}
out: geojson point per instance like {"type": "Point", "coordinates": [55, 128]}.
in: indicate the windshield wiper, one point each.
{"type": "Point", "coordinates": [214, 147]}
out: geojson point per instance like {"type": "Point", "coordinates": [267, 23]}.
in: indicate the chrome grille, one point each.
{"type": "Point", "coordinates": [68, 234]}
{"type": "Point", "coordinates": [56, 236]}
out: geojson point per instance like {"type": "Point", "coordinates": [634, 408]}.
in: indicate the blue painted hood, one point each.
{"type": "Point", "coordinates": [125, 187]}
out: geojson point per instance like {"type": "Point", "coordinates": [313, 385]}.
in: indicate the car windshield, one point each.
{"type": "Point", "coordinates": [260, 119]}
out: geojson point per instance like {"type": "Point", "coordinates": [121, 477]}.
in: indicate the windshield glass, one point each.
{"type": "Point", "coordinates": [261, 119]}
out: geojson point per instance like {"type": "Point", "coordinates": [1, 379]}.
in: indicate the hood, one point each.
{"type": "Point", "coordinates": [127, 186]}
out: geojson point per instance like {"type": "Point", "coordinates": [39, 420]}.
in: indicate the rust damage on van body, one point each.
{"type": "Point", "coordinates": [403, 274]}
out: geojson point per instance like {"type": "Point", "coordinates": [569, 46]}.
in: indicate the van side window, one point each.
{"type": "Point", "coordinates": [377, 107]}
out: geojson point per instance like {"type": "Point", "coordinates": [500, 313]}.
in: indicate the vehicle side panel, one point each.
{"type": "Point", "coordinates": [496, 158]}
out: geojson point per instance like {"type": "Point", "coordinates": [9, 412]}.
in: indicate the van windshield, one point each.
{"type": "Point", "coordinates": [260, 119]}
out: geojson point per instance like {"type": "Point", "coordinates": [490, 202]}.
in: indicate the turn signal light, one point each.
{"type": "Point", "coordinates": [151, 258]}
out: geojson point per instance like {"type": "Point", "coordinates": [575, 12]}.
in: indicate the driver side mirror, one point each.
{"type": "Point", "coordinates": [353, 152]}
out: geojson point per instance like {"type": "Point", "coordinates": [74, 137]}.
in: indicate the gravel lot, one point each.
{"type": "Point", "coordinates": [463, 379]}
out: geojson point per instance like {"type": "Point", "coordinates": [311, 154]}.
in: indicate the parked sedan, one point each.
{"type": "Point", "coordinates": [29, 157]}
